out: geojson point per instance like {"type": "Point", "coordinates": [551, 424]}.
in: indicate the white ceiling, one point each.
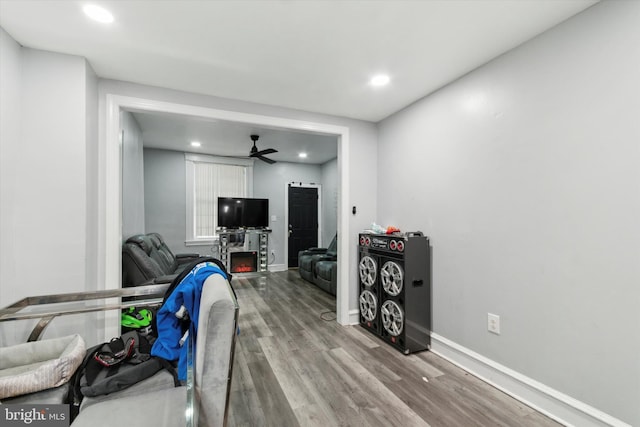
{"type": "Point", "coordinates": [223, 138]}
{"type": "Point", "coordinates": [309, 55]}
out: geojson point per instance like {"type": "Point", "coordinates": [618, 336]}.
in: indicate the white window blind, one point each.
{"type": "Point", "coordinates": [208, 178]}
{"type": "Point", "coordinates": [213, 181]}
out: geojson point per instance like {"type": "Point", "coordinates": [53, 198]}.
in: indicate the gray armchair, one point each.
{"type": "Point", "coordinates": [155, 402]}
{"type": "Point", "coordinates": [319, 266]}
{"type": "Point", "coordinates": [326, 276]}
{"type": "Point", "coordinates": [147, 258]}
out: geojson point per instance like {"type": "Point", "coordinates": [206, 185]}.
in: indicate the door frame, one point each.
{"type": "Point", "coordinates": [110, 188]}
{"type": "Point", "coordinates": [286, 215]}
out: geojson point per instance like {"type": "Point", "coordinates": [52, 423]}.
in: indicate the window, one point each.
{"type": "Point", "coordinates": [208, 178]}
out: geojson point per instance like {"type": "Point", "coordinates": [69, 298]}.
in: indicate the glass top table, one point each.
{"type": "Point", "coordinates": [48, 307]}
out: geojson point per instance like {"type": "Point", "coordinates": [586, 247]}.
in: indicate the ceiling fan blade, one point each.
{"type": "Point", "coordinates": [259, 154]}
{"type": "Point", "coordinates": [264, 152]}
{"type": "Point", "coordinates": [266, 160]}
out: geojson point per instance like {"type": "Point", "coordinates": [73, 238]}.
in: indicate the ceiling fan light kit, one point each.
{"type": "Point", "coordinates": [260, 154]}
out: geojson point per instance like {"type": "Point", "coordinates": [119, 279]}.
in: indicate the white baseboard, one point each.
{"type": "Point", "coordinates": [554, 404]}
{"type": "Point", "coordinates": [277, 267]}
{"type": "Point", "coordinates": [354, 317]}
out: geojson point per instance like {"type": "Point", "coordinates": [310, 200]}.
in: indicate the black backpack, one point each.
{"type": "Point", "coordinates": [125, 360]}
{"type": "Point", "coordinates": [116, 365]}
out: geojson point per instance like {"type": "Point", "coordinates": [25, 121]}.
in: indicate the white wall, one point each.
{"type": "Point", "coordinates": [329, 201]}
{"type": "Point", "coordinates": [44, 178]}
{"type": "Point", "coordinates": [92, 239]}
{"type": "Point", "coordinates": [526, 175]}
{"type": "Point", "coordinates": [10, 121]}
{"type": "Point", "coordinates": [133, 213]}
{"type": "Point", "coordinates": [362, 153]}
{"type": "Point", "coordinates": [269, 182]}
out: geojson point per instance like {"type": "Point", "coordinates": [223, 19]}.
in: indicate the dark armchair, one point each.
{"type": "Point", "coordinates": [319, 266]}
{"type": "Point", "coordinates": [146, 258]}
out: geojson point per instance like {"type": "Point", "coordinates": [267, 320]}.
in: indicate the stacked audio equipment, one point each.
{"type": "Point", "coordinates": [394, 274]}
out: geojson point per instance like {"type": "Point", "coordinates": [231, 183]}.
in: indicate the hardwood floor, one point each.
{"type": "Point", "coordinates": [292, 368]}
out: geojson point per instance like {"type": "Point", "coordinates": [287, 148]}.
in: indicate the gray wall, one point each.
{"type": "Point", "coordinates": [329, 201]}
{"type": "Point", "coordinates": [165, 199]}
{"type": "Point", "coordinates": [45, 101]}
{"type": "Point", "coordinates": [132, 177]}
{"type": "Point", "coordinates": [525, 173]}
{"type": "Point", "coordinates": [269, 182]}
{"type": "Point", "coordinates": [164, 174]}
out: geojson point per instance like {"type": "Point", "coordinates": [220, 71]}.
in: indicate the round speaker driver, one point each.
{"type": "Point", "coordinates": [368, 268]}
{"type": "Point", "coordinates": [392, 278]}
{"type": "Point", "coordinates": [368, 305]}
{"type": "Point", "coordinates": [392, 317]}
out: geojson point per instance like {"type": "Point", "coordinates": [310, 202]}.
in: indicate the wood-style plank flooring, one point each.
{"type": "Point", "coordinates": [292, 368]}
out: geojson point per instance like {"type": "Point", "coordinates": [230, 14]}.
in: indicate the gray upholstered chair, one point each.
{"type": "Point", "coordinates": [326, 276]}
{"type": "Point", "coordinates": [146, 258]}
{"type": "Point", "coordinates": [310, 259]}
{"type": "Point", "coordinates": [155, 402]}
{"type": "Point", "coordinates": [174, 263]}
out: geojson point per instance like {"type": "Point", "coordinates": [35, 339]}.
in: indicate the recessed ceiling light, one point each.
{"type": "Point", "coordinates": [195, 144]}
{"type": "Point", "coordinates": [98, 13]}
{"type": "Point", "coordinates": [302, 155]}
{"type": "Point", "coordinates": [379, 80]}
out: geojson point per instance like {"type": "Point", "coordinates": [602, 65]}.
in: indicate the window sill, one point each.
{"type": "Point", "coordinates": [201, 242]}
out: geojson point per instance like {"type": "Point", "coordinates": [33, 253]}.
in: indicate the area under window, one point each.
{"type": "Point", "coordinates": [208, 178]}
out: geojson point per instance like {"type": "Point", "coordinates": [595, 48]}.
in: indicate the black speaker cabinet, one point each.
{"type": "Point", "coordinates": [395, 289]}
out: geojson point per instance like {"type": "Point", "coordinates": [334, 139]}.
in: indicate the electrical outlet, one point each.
{"type": "Point", "coordinates": [493, 323]}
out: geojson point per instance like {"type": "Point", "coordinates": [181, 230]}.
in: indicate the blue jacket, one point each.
{"type": "Point", "coordinates": [187, 293]}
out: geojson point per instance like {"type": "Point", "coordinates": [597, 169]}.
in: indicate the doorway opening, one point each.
{"type": "Point", "coordinates": [110, 256]}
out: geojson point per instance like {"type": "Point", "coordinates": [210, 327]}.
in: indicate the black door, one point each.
{"type": "Point", "coordinates": [303, 221]}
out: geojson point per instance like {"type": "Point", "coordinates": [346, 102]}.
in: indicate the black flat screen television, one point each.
{"type": "Point", "coordinates": [240, 212]}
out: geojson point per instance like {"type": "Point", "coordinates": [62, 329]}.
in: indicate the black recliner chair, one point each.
{"type": "Point", "coordinates": [147, 259]}
{"type": "Point", "coordinates": [319, 266]}
{"type": "Point", "coordinates": [326, 277]}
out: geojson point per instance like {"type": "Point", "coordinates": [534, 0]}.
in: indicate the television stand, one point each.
{"type": "Point", "coordinates": [253, 244]}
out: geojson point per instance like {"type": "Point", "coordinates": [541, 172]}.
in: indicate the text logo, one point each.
{"type": "Point", "coordinates": [34, 415]}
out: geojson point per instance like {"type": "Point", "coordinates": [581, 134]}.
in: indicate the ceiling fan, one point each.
{"type": "Point", "coordinates": [260, 154]}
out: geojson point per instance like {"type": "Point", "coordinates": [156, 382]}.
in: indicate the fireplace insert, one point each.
{"type": "Point", "coordinates": [244, 262]}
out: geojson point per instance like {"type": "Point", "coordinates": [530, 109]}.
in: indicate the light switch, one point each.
{"type": "Point", "coordinates": [274, 218]}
